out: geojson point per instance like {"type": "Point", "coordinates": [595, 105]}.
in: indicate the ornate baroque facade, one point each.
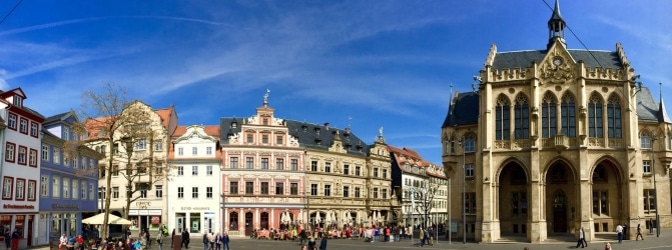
{"type": "Point", "coordinates": [562, 139]}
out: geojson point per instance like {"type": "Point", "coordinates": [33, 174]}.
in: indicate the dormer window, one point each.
{"type": "Point", "coordinates": [18, 101]}
{"type": "Point", "coordinates": [317, 131]}
{"type": "Point", "coordinates": [234, 124]}
{"type": "Point", "coordinates": [304, 127]}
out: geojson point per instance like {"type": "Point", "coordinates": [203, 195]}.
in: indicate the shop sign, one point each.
{"type": "Point", "coordinates": [156, 220]}
{"type": "Point", "coordinates": [195, 208]}
{"type": "Point", "coordinates": [10, 206]}
{"type": "Point", "coordinates": [142, 204]}
{"type": "Point", "coordinates": [72, 206]}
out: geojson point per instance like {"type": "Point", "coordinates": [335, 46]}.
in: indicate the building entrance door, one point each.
{"type": "Point", "coordinates": [249, 223]}
{"type": "Point", "coordinates": [559, 212]}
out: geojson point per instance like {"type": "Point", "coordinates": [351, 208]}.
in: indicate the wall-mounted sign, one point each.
{"type": "Point", "coordinates": [73, 206]}
{"type": "Point", "coordinates": [10, 206]}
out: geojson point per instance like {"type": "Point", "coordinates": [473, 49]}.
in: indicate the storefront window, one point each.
{"type": "Point", "coordinates": [56, 225]}
{"type": "Point", "coordinates": [5, 223]}
{"type": "Point", "coordinates": [233, 221]}
{"type": "Point", "coordinates": [195, 222]}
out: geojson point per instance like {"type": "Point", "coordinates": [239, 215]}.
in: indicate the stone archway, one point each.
{"type": "Point", "coordinates": [559, 181]}
{"type": "Point", "coordinates": [513, 199]}
{"type": "Point", "coordinates": [607, 192]}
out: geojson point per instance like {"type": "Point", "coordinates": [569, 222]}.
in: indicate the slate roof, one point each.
{"type": "Point", "coordinates": [524, 59]}
{"type": "Point", "coordinates": [648, 109]}
{"type": "Point", "coordinates": [309, 135]}
{"type": "Point", "coordinates": [463, 110]}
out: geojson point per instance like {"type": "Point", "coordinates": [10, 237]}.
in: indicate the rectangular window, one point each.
{"type": "Point", "coordinates": [645, 141]}
{"type": "Point", "coordinates": [264, 139]}
{"type": "Point", "coordinates": [601, 202]}
{"type": "Point", "coordinates": [313, 189]}
{"type": "Point", "coordinates": [22, 155]}
{"type": "Point", "coordinates": [141, 144]}
{"type": "Point", "coordinates": [278, 140]}
{"type": "Point", "coordinates": [9, 152]}
{"type": "Point", "coordinates": [358, 171]}
{"type": "Point", "coordinates": [375, 193]}
{"type": "Point", "coordinates": [115, 192]}
{"type": "Point", "coordinates": [45, 153]}
{"type": "Point", "coordinates": [208, 151]}
{"type": "Point", "coordinates": [82, 190]}
{"type": "Point", "coordinates": [346, 169]}
{"type": "Point", "coordinates": [34, 127]}
{"type": "Point", "coordinates": [158, 191]}
{"type": "Point", "coordinates": [180, 192]}
{"type": "Point", "coordinates": [313, 166]}
{"type": "Point", "coordinates": [66, 188]}
{"type": "Point", "coordinates": [44, 186]}
{"type": "Point", "coordinates": [57, 156]}
{"type": "Point", "coordinates": [7, 188]}
{"type": "Point", "coordinates": [647, 166]}
{"type": "Point", "coordinates": [180, 170]}
{"type": "Point", "coordinates": [158, 145]}
{"type": "Point", "coordinates": [249, 187]}
{"type": "Point", "coordinates": [194, 170]}
{"type": "Point", "coordinates": [75, 189]}
{"type": "Point", "coordinates": [20, 189]}
{"type": "Point", "coordinates": [519, 203]}
{"type": "Point", "coordinates": [279, 188]}
{"type": "Point", "coordinates": [250, 138]}
{"type": "Point", "coordinates": [143, 193]}
{"type": "Point", "coordinates": [294, 188]}
{"type": "Point", "coordinates": [295, 164]}
{"type": "Point", "coordinates": [91, 190]}
{"type": "Point", "coordinates": [233, 187]}
{"type": "Point", "coordinates": [180, 151]}
{"type": "Point", "coordinates": [56, 186]}
{"type": "Point", "coordinates": [279, 163]}
{"type": "Point", "coordinates": [194, 151]}
{"type": "Point", "coordinates": [469, 200]}
{"type": "Point", "coordinates": [469, 170]}
{"type": "Point", "coordinates": [32, 158]}
{"type": "Point", "coordinates": [384, 192]}
{"type": "Point", "coordinates": [249, 162]}
{"type": "Point", "coordinates": [327, 190]}
{"type": "Point", "coordinates": [375, 172]}
{"type": "Point", "coordinates": [346, 191]}
{"type": "Point", "coordinates": [264, 187]}
{"type": "Point", "coordinates": [384, 173]}
{"type": "Point", "coordinates": [470, 144]}
{"type": "Point", "coordinates": [23, 126]}
{"type": "Point", "coordinates": [233, 162]}
{"type": "Point", "coordinates": [208, 192]}
{"type": "Point", "coordinates": [327, 167]}
{"type": "Point", "coordinates": [11, 121]}
{"type": "Point", "coordinates": [357, 192]}
{"type": "Point", "coordinates": [194, 192]}
{"type": "Point", "coordinates": [208, 170]}
{"type": "Point", "coordinates": [649, 200]}
{"type": "Point", "coordinates": [264, 163]}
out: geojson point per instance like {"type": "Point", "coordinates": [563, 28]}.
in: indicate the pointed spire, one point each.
{"type": "Point", "coordinates": [662, 113]}
{"type": "Point", "coordinates": [556, 26]}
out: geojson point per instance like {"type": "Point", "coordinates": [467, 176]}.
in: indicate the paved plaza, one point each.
{"type": "Point", "coordinates": [650, 242]}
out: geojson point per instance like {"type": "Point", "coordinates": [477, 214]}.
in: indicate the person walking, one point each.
{"type": "Point", "coordinates": [639, 232]}
{"type": "Point", "coordinates": [619, 230]}
{"type": "Point", "coordinates": [582, 239]}
{"type": "Point", "coordinates": [171, 238]}
{"type": "Point", "coordinates": [323, 243]}
{"type": "Point", "coordinates": [185, 238]}
{"type": "Point", "coordinates": [206, 241]}
{"type": "Point", "coordinates": [8, 239]}
{"type": "Point", "coordinates": [607, 246]}
{"type": "Point", "coordinates": [159, 239]}
{"type": "Point", "coordinates": [15, 239]}
{"type": "Point", "coordinates": [225, 241]}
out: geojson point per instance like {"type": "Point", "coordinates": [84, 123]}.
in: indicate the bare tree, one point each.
{"type": "Point", "coordinates": [424, 201]}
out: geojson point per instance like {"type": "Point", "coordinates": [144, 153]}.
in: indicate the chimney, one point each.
{"type": "Point", "coordinates": [326, 125]}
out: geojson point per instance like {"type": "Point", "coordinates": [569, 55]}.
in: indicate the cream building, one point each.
{"type": "Point", "coordinates": [150, 209]}
{"type": "Point", "coordinates": [193, 192]}
{"type": "Point", "coordinates": [562, 139]}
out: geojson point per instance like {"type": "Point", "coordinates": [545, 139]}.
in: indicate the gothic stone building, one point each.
{"type": "Point", "coordinates": [562, 139]}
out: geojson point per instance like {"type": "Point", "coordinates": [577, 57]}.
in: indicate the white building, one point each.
{"type": "Point", "coordinates": [193, 193]}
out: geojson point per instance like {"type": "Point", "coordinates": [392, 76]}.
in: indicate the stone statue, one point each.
{"type": "Point", "coordinates": [268, 91]}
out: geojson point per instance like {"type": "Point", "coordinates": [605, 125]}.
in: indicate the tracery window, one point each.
{"type": "Point", "coordinates": [568, 115]}
{"type": "Point", "coordinates": [522, 118]}
{"type": "Point", "coordinates": [548, 116]}
{"type": "Point", "coordinates": [502, 117]}
{"type": "Point", "coordinates": [615, 130]}
{"type": "Point", "coordinates": [595, 116]}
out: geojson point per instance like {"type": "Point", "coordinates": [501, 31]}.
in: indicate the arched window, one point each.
{"type": "Point", "coordinates": [595, 116]}
{"type": "Point", "coordinates": [645, 140]}
{"type": "Point", "coordinates": [502, 118]}
{"type": "Point", "coordinates": [548, 116]}
{"type": "Point", "coordinates": [615, 130]}
{"type": "Point", "coordinates": [233, 221]}
{"type": "Point", "coordinates": [568, 113]}
{"type": "Point", "coordinates": [522, 118]}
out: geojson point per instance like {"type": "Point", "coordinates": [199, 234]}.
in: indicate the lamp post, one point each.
{"type": "Point", "coordinates": [464, 189]}
{"type": "Point", "coordinates": [655, 189]}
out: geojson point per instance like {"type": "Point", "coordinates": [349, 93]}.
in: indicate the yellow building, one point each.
{"type": "Point", "coordinates": [562, 139]}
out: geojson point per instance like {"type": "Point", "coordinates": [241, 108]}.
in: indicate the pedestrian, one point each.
{"type": "Point", "coordinates": [185, 238]}
{"type": "Point", "coordinates": [15, 239]}
{"type": "Point", "coordinates": [323, 243]}
{"type": "Point", "coordinates": [607, 246]}
{"type": "Point", "coordinates": [8, 239]}
{"type": "Point", "coordinates": [206, 241]}
{"type": "Point", "coordinates": [639, 232]}
{"type": "Point", "coordinates": [225, 241]}
{"type": "Point", "coordinates": [421, 235]}
{"type": "Point", "coordinates": [619, 230]}
{"type": "Point", "coordinates": [159, 239]}
{"type": "Point", "coordinates": [218, 241]}
{"type": "Point", "coordinates": [582, 239]}
{"type": "Point", "coordinates": [211, 238]}
{"type": "Point", "coordinates": [171, 238]}
{"type": "Point", "coordinates": [312, 244]}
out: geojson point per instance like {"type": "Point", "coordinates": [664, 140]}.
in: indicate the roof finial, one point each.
{"type": "Point", "coordinates": [556, 26]}
{"type": "Point", "coordinates": [268, 91]}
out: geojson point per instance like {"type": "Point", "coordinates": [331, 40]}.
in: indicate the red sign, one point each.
{"type": "Point", "coordinates": [18, 206]}
{"type": "Point", "coordinates": [156, 220]}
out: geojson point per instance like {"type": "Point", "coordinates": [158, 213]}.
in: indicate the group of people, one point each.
{"type": "Point", "coordinates": [12, 239]}
{"type": "Point", "coordinates": [219, 241]}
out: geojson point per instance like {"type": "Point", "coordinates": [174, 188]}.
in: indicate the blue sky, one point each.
{"type": "Point", "coordinates": [381, 63]}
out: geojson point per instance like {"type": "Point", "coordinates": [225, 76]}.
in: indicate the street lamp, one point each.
{"type": "Point", "coordinates": [655, 189]}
